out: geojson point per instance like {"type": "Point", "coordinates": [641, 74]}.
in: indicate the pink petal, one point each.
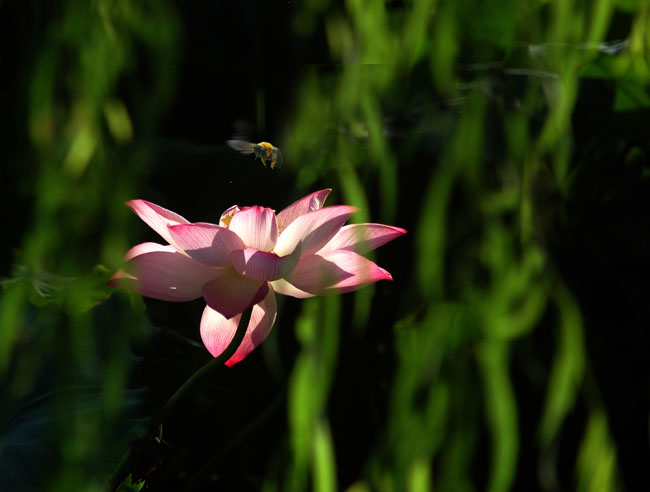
{"type": "Point", "coordinates": [217, 332]}
{"type": "Point", "coordinates": [161, 272]}
{"type": "Point", "coordinates": [207, 243]}
{"type": "Point", "coordinates": [123, 280]}
{"type": "Point", "coordinates": [263, 266]}
{"type": "Point", "coordinates": [142, 248]}
{"type": "Point", "coordinates": [281, 286]}
{"type": "Point", "coordinates": [156, 217]}
{"type": "Point", "coordinates": [231, 293]}
{"type": "Point", "coordinates": [311, 202]}
{"type": "Point", "coordinates": [313, 230]}
{"type": "Point", "coordinates": [361, 238]}
{"type": "Point", "coordinates": [256, 226]}
{"type": "Point", "coordinates": [227, 216]}
{"type": "Point", "coordinates": [335, 272]}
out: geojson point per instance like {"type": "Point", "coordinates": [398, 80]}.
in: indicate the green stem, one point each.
{"type": "Point", "coordinates": [117, 476]}
{"type": "Point", "coordinates": [218, 361]}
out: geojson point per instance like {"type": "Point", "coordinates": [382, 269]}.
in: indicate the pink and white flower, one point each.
{"type": "Point", "coordinates": [303, 251]}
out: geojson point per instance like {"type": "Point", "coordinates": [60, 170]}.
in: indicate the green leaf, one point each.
{"type": "Point", "coordinates": [128, 486]}
{"type": "Point", "coordinates": [568, 366]}
{"type": "Point", "coordinates": [631, 95]}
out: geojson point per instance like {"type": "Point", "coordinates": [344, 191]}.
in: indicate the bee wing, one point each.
{"type": "Point", "coordinates": [241, 146]}
{"type": "Point", "coordinates": [278, 162]}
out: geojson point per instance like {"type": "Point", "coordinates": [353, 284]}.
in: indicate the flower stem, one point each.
{"type": "Point", "coordinates": [218, 361]}
{"type": "Point", "coordinates": [119, 473]}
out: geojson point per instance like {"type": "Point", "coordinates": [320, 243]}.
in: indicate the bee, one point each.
{"type": "Point", "coordinates": [264, 150]}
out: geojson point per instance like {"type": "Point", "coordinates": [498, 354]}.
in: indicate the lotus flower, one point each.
{"type": "Point", "coordinates": [303, 251]}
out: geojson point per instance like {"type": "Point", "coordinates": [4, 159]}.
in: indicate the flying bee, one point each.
{"type": "Point", "coordinates": [264, 150]}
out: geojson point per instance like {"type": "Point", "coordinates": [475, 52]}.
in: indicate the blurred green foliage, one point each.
{"type": "Point", "coordinates": [459, 121]}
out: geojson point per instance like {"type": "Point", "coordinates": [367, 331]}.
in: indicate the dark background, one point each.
{"type": "Point", "coordinates": [509, 139]}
